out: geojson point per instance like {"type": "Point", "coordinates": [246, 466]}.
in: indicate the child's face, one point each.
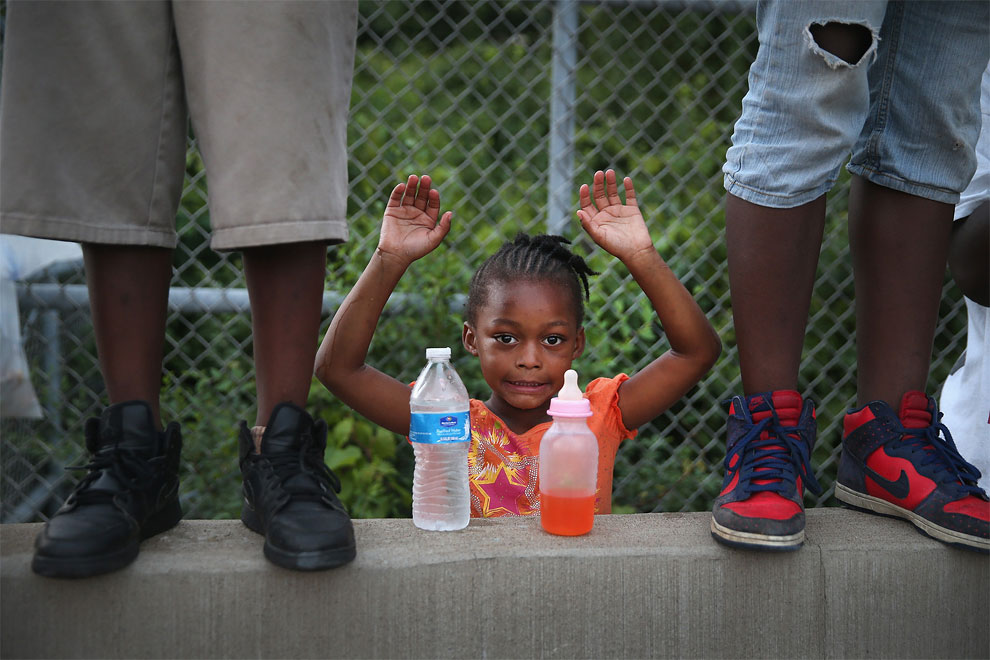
{"type": "Point", "coordinates": [526, 337]}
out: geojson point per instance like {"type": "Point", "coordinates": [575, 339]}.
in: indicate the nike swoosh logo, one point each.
{"type": "Point", "coordinates": [900, 489]}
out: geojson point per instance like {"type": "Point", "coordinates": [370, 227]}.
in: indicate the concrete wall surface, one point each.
{"type": "Point", "coordinates": [638, 586]}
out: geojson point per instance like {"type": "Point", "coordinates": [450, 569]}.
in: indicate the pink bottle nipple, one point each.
{"type": "Point", "coordinates": [570, 401]}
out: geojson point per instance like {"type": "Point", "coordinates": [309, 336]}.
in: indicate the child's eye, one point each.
{"type": "Point", "coordinates": [554, 340]}
{"type": "Point", "coordinates": [505, 339]}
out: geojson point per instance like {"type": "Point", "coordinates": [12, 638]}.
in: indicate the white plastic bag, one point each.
{"type": "Point", "coordinates": [21, 256]}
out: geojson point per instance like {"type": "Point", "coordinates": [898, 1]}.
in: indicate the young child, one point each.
{"type": "Point", "coordinates": [524, 323]}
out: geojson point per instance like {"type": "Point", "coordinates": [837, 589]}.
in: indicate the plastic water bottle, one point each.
{"type": "Point", "coordinates": [440, 431]}
{"type": "Point", "coordinates": [568, 464]}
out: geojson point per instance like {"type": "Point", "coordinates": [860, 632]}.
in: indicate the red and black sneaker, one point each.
{"type": "Point", "coordinates": [767, 465]}
{"type": "Point", "coordinates": [901, 465]}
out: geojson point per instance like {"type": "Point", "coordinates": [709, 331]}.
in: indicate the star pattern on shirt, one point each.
{"type": "Point", "coordinates": [500, 495]}
{"type": "Point", "coordinates": [503, 479]}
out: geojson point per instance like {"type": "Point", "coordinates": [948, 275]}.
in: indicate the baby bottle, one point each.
{"type": "Point", "coordinates": [568, 464]}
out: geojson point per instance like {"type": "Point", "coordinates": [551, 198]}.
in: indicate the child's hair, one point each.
{"type": "Point", "coordinates": [531, 257]}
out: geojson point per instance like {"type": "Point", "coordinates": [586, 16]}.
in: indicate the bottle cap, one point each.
{"type": "Point", "coordinates": [570, 401]}
{"type": "Point", "coordinates": [438, 353]}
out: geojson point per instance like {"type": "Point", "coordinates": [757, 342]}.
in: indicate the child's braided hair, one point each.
{"type": "Point", "coordinates": [531, 257]}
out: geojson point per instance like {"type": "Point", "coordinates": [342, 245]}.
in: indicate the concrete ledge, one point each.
{"type": "Point", "coordinates": [648, 585]}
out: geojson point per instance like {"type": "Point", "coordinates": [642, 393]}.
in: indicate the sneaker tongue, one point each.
{"type": "Point", "coordinates": [284, 429]}
{"type": "Point", "coordinates": [914, 411]}
{"type": "Point", "coordinates": [283, 435]}
{"type": "Point", "coordinates": [129, 425]}
{"type": "Point", "coordinates": [786, 403]}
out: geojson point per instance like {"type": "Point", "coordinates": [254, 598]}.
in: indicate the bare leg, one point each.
{"type": "Point", "coordinates": [285, 283]}
{"type": "Point", "coordinates": [969, 254]}
{"type": "Point", "coordinates": [128, 295]}
{"type": "Point", "coordinates": [899, 246]}
{"type": "Point", "coordinates": [773, 255]}
{"type": "Point", "coordinates": [849, 42]}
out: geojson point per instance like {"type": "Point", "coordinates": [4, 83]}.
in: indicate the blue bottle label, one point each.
{"type": "Point", "coordinates": [435, 428]}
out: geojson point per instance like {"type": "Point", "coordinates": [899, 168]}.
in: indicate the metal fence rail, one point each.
{"type": "Point", "coordinates": [510, 106]}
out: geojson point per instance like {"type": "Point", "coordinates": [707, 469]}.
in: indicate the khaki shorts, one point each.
{"type": "Point", "coordinates": [94, 107]}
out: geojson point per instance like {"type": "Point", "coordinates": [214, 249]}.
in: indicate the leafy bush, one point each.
{"type": "Point", "coordinates": [473, 113]}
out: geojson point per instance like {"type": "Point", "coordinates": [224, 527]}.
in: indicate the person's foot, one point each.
{"type": "Point", "coordinates": [290, 495]}
{"type": "Point", "coordinates": [767, 466]}
{"type": "Point", "coordinates": [131, 492]}
{"type": "Point", "coordinates": [900, 465]}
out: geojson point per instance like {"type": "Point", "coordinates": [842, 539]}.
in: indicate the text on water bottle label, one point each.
{"type": "Point", "coordinates": [435, 428]}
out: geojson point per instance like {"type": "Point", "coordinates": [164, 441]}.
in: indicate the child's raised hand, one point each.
{"type": "Point", "coordinates": [410, 228]}
{"type": "Point", "coordinates": [618, 228]}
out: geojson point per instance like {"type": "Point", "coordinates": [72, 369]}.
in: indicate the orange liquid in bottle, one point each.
{"type": "Point", "coordinates": [567, 516]}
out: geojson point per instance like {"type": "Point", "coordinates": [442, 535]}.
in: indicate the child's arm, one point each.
{"type": "Point", "coordinates": [409, 231]}
{"type": "Point", "coordinates": [620, 230]}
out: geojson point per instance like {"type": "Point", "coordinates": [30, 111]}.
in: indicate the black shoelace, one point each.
{"type": "Point", "coordinates": [934, 447]}
{"type": "Point", "coordinates": [128, 468]}
{"type": "Point", "coordinates": [307, 461]}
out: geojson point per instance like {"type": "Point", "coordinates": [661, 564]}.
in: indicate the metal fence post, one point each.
{"type": "Point", "coordinates": [565, 29]}
{"type": "Point", "coordinates": [52, 366]}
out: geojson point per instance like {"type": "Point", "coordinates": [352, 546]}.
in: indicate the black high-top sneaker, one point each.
{"type": "Point", "coordinates": [290, 495]}
{"type": "Point", "coordinates": [130, 492]}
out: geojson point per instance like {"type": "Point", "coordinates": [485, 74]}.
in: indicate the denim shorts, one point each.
{"type": "Point", "coordinates": [978, 190]}
{"type": "Point", "coordinates": [908, 111]}
{"type": "Point", "coordinates": [96, 102]}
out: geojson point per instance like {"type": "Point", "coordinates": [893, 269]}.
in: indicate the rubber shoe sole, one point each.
{"type": "Point", "coordinates": [310, 560]}
{"type": "Point", "coordinates": [83, 567]}
{"type": "Point", "coordinates": [752, 541]}
{"type": "Point", "coordinates": [870, 504]}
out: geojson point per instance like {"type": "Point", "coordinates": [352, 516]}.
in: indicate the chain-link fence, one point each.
{"type": "Point", "coordinates": [510, 106]}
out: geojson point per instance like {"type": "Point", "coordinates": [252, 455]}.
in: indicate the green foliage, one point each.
{"type": "Point", "coordinates": [374, 465]}
{"type": "Point", "coordinates": [210, 477]}
{"type": "Point", "coordinates": [474, 113]}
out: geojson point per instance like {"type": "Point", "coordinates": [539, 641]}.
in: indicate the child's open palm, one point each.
{"type": "Point", "coordinates": [618, 228]}
{"type": "Point", "coordinates": [410, 228]}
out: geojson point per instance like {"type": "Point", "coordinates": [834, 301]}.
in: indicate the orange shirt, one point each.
{"type": "Point", "coordinates": [503, 465]}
